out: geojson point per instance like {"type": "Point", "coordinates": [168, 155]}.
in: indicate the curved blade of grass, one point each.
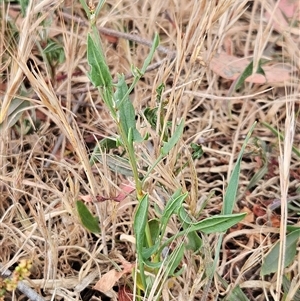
{"type": "Point", "coordinates": [270, 264]}
{"type": "Point", "coordinates": [99, 74]}
{"type": "Point", "coordinates": [194, 241]}
{"type": "Point", "coordinates": [214, 224]}
{"type": "Point", "coordinates": [126, 110]}
{"type": "Point", "coordinates": [248, 72]}
{"type": "Point", "coordinates": [139, 73]}
{"type": "Point", "coordinates": [173, 140]}
{"type": "Point", "coordinates": [281, 137]}
{"type": "Point", "coordinates": [175, 259]}
{"type": "Point", "coordinates": [287, 286]}
{"type": "Point", "coordinates": [139, 225]}
{"type": "Point", "coordinates": [151, 53]}
{"type": "Point", "coordinates": [173, 206]}
{"type": "Point", "coordinates": [258, 176]}
{"type": "Point", "coordinates": [90, 222]}
{"type": "Point", "coordinates": [231, 191]}
{"type": "Point", "coordinates": [235, 294]}
{"type": "Point", "coordinates": [16, 107]}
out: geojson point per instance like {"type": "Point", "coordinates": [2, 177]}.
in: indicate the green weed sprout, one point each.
{"type": "Point", "coordinates": [150, 234]}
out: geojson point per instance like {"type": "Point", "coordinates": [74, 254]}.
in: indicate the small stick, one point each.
{"type": "Point", "coordinates": [122, 35]}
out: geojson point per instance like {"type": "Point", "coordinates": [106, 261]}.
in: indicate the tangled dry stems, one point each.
{"type": "Point", "coordinates": [41, 178]}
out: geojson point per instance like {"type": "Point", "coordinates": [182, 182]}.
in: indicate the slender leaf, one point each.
{"type": "Point", "coordinates": [99, 73]}
{"type": "Point", "coordinates": [175, 259]}
{"type": "Point", "coordinates": [248, 72]}
{"type": "Point", "coordinates": [214, 224]}
{"type": "Point", "coordinates": [270, 264]}
{"type": "Point", "coordinates": [16, 107]}
{"type": "Point", "coordinates": [296, 151]}
{"type": "Point", "coordinates": [217, 223]}
{"type": "Point", "coordinates": [154, 226]}
{"type": "Point", "coordinates": [236, 294]}
{"type": "Point", "coordinates": [287, 286]}
{"type": "Point", "coordinates": [139, 225]}
{"type": "Point", "coordinates": [114, 162]}
{"type": "Point", "coordinates": [173, 140]}
{"type": "Point", "coordinates": [90, 222]}
{"type": "Point", "coordinates": [194, 241]}
{"type": "Point", "coordinates": [231, 191]}
{"type": "Point", "coordinates": [151, 53]}
{"type": "Point", "coordinates": [148, 252]}
{"type": "Point", "coordinates": [173, 206]}
{"type": "Point", "coordinates": [126, 110]}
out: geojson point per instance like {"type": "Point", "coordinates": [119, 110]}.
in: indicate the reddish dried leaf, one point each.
{"type": "Point", "coordinates": [275, 220]}
{"type": "Point", "coordinates": [258, 210]}
{"type": "Point", "coordinates": [125, 294]}
{"type": "Point", "coordinates": [127, 188]}
{"type": "Point", "coordinates": [231, 67]}
{"type": "Point", "coordinates": [86, 198]}
{"type": "Point", "coordinates": [287, 9]}
{"type": "Point", "coordinates": [109, 279]}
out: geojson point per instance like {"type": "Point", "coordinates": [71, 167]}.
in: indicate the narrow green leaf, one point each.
{"type": "Point", "coordinates": [270, 264]}
{"type": "Point", "coordinates": [175, 259]}
{"type": "Point", "coordinates": [296, 151]}
{"type": "Point", "coordinates": [151, 53]}
{"type": "Point", "coordinates": [114, 162]}
{"type": "Point", "coordinates": [153, 265]}
{"type": "Point", "coordinates": [154, 226]}
{"type": "Point", "coordinates": [173, 140]}
{"type": "Point", "coordinates": [258, 176]}
{"type": "Point", "coordinates": [194, 241]}
{"type": "Point", "coordinates": [236, 294]}
{"type": "Point", "coordinates": [287, 286]}
{"type": "Point", "coordinates": [99, 73]}
{"type": "Point", "coordinates": [140, 220]}
{"type": "Point", "coordinates": [148, 252]}
{"type": "Point", "coordinates": [139, 225]}
{"type": "Point", "coordinates": [248, 72]}
{"type": "Point", "coordinates": [126, 110]}
{"type": "Point", "coordinates": [231, 191]}
{"type": "Point", "coordinates": [216, 223]}
{"type": "Point", "coordinates": [219, 223]}
{"type": "Point", "coordinates": [16, 107]}
{"type": "Point", "coordinates": [90, 222]}
{"type": "Point", "coordinates": [173, 206]}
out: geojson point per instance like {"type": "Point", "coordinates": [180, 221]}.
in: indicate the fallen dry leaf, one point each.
{"type": "Point", "coordinates": [231, 67]}
{"type": "Point", "coordinates": [124, 294]}
{"type": "Point", "coordinates": [286, 9]}
{"type": "Point", "coordinates": [109, 279]}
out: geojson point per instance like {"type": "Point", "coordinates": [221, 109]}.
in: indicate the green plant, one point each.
{"type": "Point", "coordinates": [151, 241]}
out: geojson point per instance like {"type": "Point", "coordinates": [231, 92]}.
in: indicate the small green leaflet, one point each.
{"type": "Point", "coordinates": [99, 73]}
{"type": "Point", "coordinates": [90, 222]}
{"type": "Point", "coordinates": [173, 140]}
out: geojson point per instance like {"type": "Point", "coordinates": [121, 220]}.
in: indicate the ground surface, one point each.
{"type": "Point", "coordinates": [205, 46]}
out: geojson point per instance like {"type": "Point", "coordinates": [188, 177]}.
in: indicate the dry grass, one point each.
{"type": "Point", "coordinates": [43, 175]}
